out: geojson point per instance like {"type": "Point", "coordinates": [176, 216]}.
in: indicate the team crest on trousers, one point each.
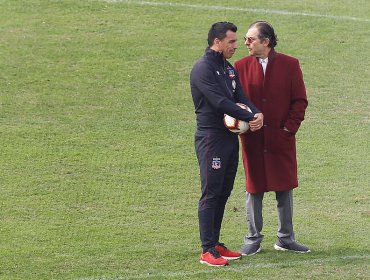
{"type": "Point", "coordinates": [216, 163]}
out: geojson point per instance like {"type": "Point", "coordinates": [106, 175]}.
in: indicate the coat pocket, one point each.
{"type": "Point", "coordinates": [277, 139]}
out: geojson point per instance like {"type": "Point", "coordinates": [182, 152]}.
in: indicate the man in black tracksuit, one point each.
{"type": "Point", "coordinates": [215, 89]}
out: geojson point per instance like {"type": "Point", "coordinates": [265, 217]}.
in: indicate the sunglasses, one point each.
{"type": "Point", "coordinates": [249, 40]}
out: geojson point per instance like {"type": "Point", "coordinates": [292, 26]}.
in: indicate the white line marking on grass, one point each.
{"type": "Point", "coordinates": [242, 268]}
{"type": "Point", "coordinates": [238, 9]}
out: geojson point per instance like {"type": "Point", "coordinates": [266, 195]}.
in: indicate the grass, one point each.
{"type": "Point", "coordinates": [99, 178]}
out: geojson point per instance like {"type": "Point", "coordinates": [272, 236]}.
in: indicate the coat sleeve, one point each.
{"type": "Point", "coordinates": [298, 103]}
{"type": "Point", "coordinates": [203, 78]}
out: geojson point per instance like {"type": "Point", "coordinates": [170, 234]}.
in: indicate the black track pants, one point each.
{"type": "Point", "coordinates": [218, 156]}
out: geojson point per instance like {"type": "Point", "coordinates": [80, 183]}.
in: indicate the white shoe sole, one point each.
{"type": "Point", "coordinates": [209, 264]}
{"type": "Point", "coordinates": [278, 248]}
{"type": "Point", "coordinates": [231, 258]}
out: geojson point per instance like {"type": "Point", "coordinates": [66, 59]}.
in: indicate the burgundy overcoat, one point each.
{"type": "Point", "coordinates": [269, 154]}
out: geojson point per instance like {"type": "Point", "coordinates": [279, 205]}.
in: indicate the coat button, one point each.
{"type": "Point", "coordinates": [265, 150]}
{"type": "Point", "coordinates": [263, 99]}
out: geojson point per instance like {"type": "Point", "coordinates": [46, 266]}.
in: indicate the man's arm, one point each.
{"type": "Point", "coordinates": [205, 80]}
{"type": "Point", "coordinates": [298, 103]}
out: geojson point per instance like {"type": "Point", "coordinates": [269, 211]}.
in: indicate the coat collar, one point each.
{"type": "Point", "coordinates": [272, 54]}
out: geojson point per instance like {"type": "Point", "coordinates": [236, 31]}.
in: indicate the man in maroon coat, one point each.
{"type": "Point", "coordinates": [274, 83]}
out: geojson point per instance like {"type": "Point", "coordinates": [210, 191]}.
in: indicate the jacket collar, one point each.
{"type": "Point", "coordinates": [216, 57]}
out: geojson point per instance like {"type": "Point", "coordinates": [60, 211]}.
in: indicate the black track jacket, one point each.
{"type": "Point", "coordinates": [215, 89]}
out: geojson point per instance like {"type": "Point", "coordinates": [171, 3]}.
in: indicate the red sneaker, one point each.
{"type": "Point", "coordinates": [227, 254]}
{"type": "Point", "coordinates": [213, 258]}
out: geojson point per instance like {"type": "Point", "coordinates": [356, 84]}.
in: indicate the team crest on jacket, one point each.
{"type": "Point", "coordinates": [231, 72]}
{"type": "Point", "coordinates": [216, 163]}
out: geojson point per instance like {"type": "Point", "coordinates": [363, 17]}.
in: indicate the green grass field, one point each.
{"type": "Point", "coordinates": [99, 178]}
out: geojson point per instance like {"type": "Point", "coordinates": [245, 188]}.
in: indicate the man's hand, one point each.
{"type": "Point", "coordinates": [257, 122]}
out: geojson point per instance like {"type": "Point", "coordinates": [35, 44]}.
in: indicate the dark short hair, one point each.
{"type": "Point", "coordinates": [218, 30]}
{"type": "Point", "coordinates": [265, 30]}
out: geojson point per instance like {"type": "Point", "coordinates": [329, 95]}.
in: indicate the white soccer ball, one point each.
{"type": "Point", "coordinates": [235, 125]}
